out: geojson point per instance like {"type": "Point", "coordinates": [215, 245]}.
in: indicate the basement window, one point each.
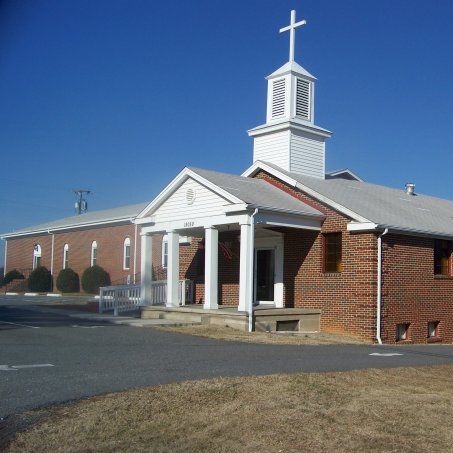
{"type": "Point", "coordinates": [402, 332]}
{"type": "Point", "coordinates": [333, 261]}
{"type": "Point", "coordinates": [287, 326]}
{"type": "Point", "coordinates": [433, 329]}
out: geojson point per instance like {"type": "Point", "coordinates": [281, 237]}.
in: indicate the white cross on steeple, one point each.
{"type": "Point", "coordinates": [292, 32]}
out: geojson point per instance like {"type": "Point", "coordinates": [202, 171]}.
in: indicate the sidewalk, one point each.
{"type": "Point", "coordinates": [80, 307]}
{"type": "Point", "coordinates": [127, 320]}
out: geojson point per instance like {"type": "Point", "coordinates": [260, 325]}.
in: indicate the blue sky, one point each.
{"type": "Point", "coordinates": [117, 96]}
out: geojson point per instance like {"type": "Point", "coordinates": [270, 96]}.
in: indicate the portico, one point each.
{"type": "Point", "coordinates": [201, 204]}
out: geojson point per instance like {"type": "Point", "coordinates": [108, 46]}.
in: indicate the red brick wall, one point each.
{"type": "Point", "coordinates": [347, 299]}
{"type": "Point", "coordinates": [411, 292]}
{"type": "Point", "coordinates": [191, 267]}
{"type": "Point", "coordinates": [110, 241]}
{"type": "Point", "coordinates": [19, 253]}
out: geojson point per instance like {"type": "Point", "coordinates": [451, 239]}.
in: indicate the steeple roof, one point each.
{"type": "Point", "coordinates": [291, 67]}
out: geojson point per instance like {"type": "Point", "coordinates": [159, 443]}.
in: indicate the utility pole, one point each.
{"type": "Point", "coordinates": [81, 205]}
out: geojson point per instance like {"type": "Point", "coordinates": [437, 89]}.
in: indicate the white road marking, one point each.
{"type": "Point", "coordinates": [19, 367]}
{"type": "Point", "coordinates": [385, 354]}
{"type": "Point", "coordinates": [21, 325]}
{"type": "Point", "coordinates": [86, 327]}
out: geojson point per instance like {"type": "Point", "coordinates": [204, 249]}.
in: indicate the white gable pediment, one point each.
{"type": "Point", "coordinates": [191, 199]}
{"type": "Point", "coordinates": [188, 196]}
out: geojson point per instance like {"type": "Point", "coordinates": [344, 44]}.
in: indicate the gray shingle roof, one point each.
{"type": "Point", "coordinates": [105, 215]}
{"type": "Point", "coordinates": [385, 206]}
{"type": "Point", "coordinates": [257, 193]}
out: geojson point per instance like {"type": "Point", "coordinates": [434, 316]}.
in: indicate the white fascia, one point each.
{"type": "Point", "coordinates": [183, 175]}
{"type": "Point", "coordinates": [363, 226]}
{"type": "Point", "coordinates": [258, 165]}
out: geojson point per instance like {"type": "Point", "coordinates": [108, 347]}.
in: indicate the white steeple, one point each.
{"type": "Point", "coordinates": [290, 138]}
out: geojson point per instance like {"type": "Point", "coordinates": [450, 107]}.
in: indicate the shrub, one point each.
{"type": "Point", "coordinates": [12, 275]}
{"type": "Point", "coordinates": [93, 278]}
{"type": "Point", "coordinates": [40, 280]}
{"type": "Point", "coordinates": [68, 281]}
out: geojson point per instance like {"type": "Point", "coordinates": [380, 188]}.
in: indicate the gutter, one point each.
{"type": "Point", "coordinates": [379, 288]}
{"type": "Point", "coordinates": [252, 259]}
{"type": "Point", "coordinates": [69, 227]}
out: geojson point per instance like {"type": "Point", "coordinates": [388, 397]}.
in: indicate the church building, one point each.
{"type": "Point", "coordinates": [285, 239]}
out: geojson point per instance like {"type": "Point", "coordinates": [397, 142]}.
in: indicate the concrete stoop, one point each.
{"type": "Point", "coordinates": [265, 320]}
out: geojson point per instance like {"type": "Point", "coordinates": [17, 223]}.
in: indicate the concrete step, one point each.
{"type": "Point", "coordinates": [175, 316]}
{"type": "Point", "coordinates": [153, 323]}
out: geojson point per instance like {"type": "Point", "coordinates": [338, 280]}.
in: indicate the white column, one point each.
{"type": "Point", "coordinates": [211, 268]}
{"type": "Point", "coordinates": [146, 291]}
{"type": "Point", "coordinates": [173, 269]}
{"type": "Point", "coordinates": [245, 268]}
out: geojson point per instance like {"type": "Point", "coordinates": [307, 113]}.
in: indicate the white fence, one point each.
{"type": "Point", "coordinates": [185, 292]}
{"type": "Point", "coordinates": [123, 298]}
{"type": "Point", "coordinates": [119, 298]}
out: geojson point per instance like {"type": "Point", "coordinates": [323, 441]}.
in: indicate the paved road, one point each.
{"type": "Point", "coordinates": [90, 358]}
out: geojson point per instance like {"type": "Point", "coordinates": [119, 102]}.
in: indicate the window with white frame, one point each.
{"type": "Point", "coordinates": [183, 240]}
{"type": "Point", "coordinates": [165, 252]}
{"type": "Point", "coordinates": [127, 254]}
{"type": "Point", "coordinates": [94, 253]}
{"type": "Point", "coordinates": [65, 256]}
{"type": "Point", "coordinates": [36, 256]}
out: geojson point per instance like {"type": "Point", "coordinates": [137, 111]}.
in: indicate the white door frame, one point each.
{"type": "Point", "coordinates": [272, 243]}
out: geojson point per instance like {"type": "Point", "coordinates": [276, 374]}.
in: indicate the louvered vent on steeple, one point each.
{"type": "Point", "coordinates": [303, 99]}
{"type": "Point", "coordinates": [278, 98]}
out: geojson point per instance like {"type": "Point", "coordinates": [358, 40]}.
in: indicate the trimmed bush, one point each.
{"type": "Point", "coordinates": [93, 278]}
{"type": "Point", "coordinates": [40, 280]}
{"type": "Point", "coordinates": [68, 281]}
{"type": "Point", "coordinates": [10, 276]}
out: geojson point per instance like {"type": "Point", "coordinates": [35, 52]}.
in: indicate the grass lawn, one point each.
{"type": "Point", "coordinates": [371, 410]}
{"type": "Point", "coordinates": [229, 334]}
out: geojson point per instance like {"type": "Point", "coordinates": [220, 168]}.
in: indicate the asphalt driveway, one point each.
{"type": "Point", "coordinates": [48, 358]}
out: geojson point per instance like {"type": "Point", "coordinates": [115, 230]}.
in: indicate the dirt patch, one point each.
{"type": "Point", "coordinates": [369, 410]}
{"type": "Point", "coordinates": [229, 334]}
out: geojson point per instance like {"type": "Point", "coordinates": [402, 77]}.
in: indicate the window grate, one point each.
{"type": "Point", "coordinates": [278, 98]}
{"type": "Point", "coordinates": [303, 99]}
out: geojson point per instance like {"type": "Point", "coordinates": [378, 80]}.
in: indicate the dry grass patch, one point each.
{"type": "Point", "coordinates": [229, 334]}
{"type": "Point", "coordinates": [370, 410]}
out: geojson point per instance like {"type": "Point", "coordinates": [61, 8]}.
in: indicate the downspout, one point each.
{"type": "Point", "coordinates": [251, 270]}
{"type": "Point", "coordinates": [6, 253]}
{"type": "Point", "coordinates": [135, 250]}
{"type": "Point", "coordinates": [379, 287]}
{"type": "Point", "coordinates": [51, 256]}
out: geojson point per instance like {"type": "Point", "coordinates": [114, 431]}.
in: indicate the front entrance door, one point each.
{"type": "Point", "coordinates": [264, 276]}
